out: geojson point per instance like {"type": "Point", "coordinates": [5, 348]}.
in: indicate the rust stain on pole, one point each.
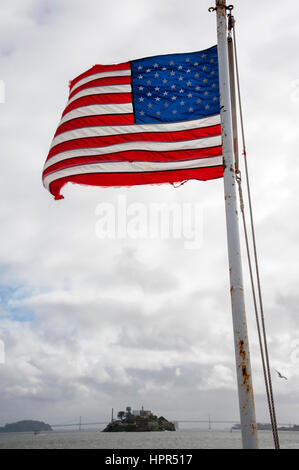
{"type": "Point", "coordinates": [253, 429]}
{"type": "Point", "coordinates": [242, 350]}
{"type": "Point", "coordinates": [245, 374]}
{"type": "Point", "coordinates": [221, 5]}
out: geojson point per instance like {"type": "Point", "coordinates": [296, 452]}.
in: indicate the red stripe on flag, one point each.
{"type": "Point", "coordinates": [102, 141]}
{"type": "Point", "coordinates": [131, 179]}
{"type": "Point", "coordinates": [98, 99]}
{"type": "Point", "coordinates": [125, 80]}
{"type": "Point", "coordinates": [137, 155]}
{"type": "Point", "coordinates": [98, 69]}
{"type": "Point", "coordinates": [91, 121]}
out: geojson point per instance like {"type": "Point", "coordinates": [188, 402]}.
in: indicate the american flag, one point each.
{"type": "Point", "coordinates": [146, 121]}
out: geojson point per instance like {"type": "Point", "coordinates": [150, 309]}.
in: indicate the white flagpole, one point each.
{"type": "Point", "coordinates": [245, 390]}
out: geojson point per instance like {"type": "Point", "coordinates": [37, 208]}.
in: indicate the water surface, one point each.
{"type": "Point", "coordinates": [182, 439]}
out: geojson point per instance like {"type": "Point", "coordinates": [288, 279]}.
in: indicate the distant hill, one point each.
{"type": "Point", "coordinates": [295, 427]}
{"type": "Point", "coordinates": [26, 425]}
{"type": "Point", "coordinates": [268, 427]}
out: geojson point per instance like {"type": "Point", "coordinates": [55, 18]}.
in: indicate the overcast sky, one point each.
{"type": "Point", "coordinates": [91, 323]}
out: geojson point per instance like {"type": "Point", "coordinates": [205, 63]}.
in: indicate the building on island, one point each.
{"type": "Point", "coordinates": [141, 412]}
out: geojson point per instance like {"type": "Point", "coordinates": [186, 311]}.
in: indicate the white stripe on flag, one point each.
{"type": "Point", "coordinates": [100, 90]}
{"type": "Point", "coordinates": [131, 167]}
{"type": "Point", "coordinates": [98, 109]}
{"type": "Point", "coordinates": [193, 144]}
{"type": "Point", "coordinates": [95, 76]}
{"type": "Point", "coordinates": [100, 131]}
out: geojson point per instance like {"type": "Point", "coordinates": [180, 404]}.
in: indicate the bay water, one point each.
{"type": "Point", "coordinates": [181, 439]}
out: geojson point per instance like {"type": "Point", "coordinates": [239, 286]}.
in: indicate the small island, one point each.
{"type": "Point", "coordinates": [268, 427]}
{"type": "Point", "coordinates": [26, 426]}
{"type": "Point", "coordinates": [295, 427]}
{"type": "Point", "coordinates": [138, 421]}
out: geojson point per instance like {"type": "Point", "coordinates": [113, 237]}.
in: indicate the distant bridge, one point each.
{"type": "Point", "coordinates": [80, 424]}
{"type": "Point", "coordinates": [176, 422]}
{"type": "Point", "coordinates": [210, 422]}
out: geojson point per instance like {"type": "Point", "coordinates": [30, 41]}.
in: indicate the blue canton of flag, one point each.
{"type": "Point", "coordinates": [175, 87]}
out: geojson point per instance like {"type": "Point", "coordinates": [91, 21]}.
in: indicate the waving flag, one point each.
{"type": "Point", "coordinates": [151, 120]}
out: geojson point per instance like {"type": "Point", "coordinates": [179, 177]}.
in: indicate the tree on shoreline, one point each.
{"type": "Point", "coordinates": [121, 415]}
